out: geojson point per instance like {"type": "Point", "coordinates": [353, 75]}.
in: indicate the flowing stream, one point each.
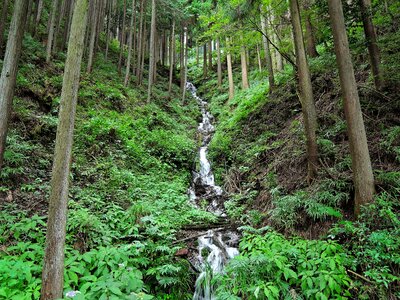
{"type": "Point", "coordinates": [216, 247]}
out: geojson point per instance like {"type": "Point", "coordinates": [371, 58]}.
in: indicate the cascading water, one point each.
{"type": "Point", "coordinates": [215, 248]}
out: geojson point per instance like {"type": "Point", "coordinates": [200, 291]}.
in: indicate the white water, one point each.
{"type": "Point", "coordinates": [215, 246]}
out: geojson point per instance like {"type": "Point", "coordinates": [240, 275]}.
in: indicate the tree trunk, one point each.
{"type": "Point", "coordinates": [181, 61]}
{"type": "Point", "coordinates": [140, 42]}
{"type": "Point", "coordinates": [310, 38]}
{"type": "Point", "coordinates": [53, 267]}
{"type": "Point", "coordinates": [219, 66]}
{"type": "Point", "coordinates": [9, 70]}
{"type": "Point", "coordinates": [305, 91]}
{"type": "Point", "coordinates": [205, 61]}
{"type": "Point", "coordinates": [371, 37]}
{"type": "Point", "coordinates": [67, 25]}
{"type": "Point", "coordinates": [122, 44]}
{"type": "Point", "coordinates": [172, 61]}
{"type": "Point", "coordinates": [130, 42]}
{"type": "Point", "coordinates": [210, 61]}
{"type": "Point", "coordinates": [3, 23]}
{"type": "Point", "coordinates": [38, 16]}
{"type": "Point", "coordinates": [108, 27]}
{"type": "Point", "coordinates": [259, 59]}
{"type": "Point", "coordinates": [243, 62]}
{"type": "Point", "coordinates": [185, 54]}
{"type": "Point", "coordinates": [362, 170]}
{"type": "Point", "coordinates": [271, 78]}
{"type": "Point", "coordinates": [50, 36]}
{"type": "Point", "coordinates": [59, 18]}
{"type": "Point", "coordinates": [229, 67]}
{"type": "Point", "coordinates": [92, 35]}
{"type": "Point", "coordinates": [152, 49]}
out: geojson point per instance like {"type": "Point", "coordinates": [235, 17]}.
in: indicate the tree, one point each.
{"type": "Point", "coordinates": [171, 59]}
{"type": "Point", "coordinates": [230, 72]}
{"type": "Point", "coordinates": [122, 41]}
{"type": "Point", "coordinates": [361, 163]}
{"type": "Point", "coordinates": [219, 65]}
{"type": "Point", "coordinates": [9, 70]}
{"type": "Point", "coordinates": [310, 38]}
{"type": "Point", "coordinates": [53, 267]}
{"type": "Point", "coordinates": [267, 51]}
{"type": "Point", "coordinates": [130, 43]}
{"type": "Point", "coordinates": [50, 37]}
{"type": "Point", "coordinates": [93, 21]}
{"type": "Point", "coordinates": [152, 49]}
{"type": "Point", "coordinates": [305, 91]}
{"type": "Point", "coordinates": [243, 62]}
{"type": "Point", "coordinates": [370, 35]}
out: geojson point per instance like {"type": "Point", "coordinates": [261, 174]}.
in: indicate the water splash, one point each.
{"type": "Point", "coordinates": [215, 248]}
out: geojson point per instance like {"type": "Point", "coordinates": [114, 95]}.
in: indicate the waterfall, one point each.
{"type": "Point", "coordinates": [215, 248]}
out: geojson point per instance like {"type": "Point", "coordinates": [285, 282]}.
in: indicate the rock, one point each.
{"type": "Point", "coordinates": [182, 252]}
{"type": "Point", "coordinates": [9, 197]}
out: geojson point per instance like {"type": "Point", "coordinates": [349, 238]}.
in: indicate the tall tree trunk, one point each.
{"type": "Point", "coordinates": [67, 26]}
{"type": "Point", "coordinates": [53, 267]}
{"type": "Point", "coordinates": [172, 61]}
{"type": "Point", "coordinates": [259, 59]}
{"type": "Point", "coordinates": [38, 16]}
{"type": "Point", "coordinates": [152, 49]}
{"type": "Point", "coordinates": [130, 43]}
{"type": "Point", "coordinates": [305, 91]}
{"type": "Point", "coordinates": [243, 62]}
{"type": "Point", "coordinates": [219, 65]}
{"type": "Point", "coordinates": [3, 21]}
{"type": "Point", "coordinates": [9, 70]}
{"type": "Point", "coordinates": [59, 18]}
{"type": "Point", "coordinates": [50, 36]}
{"type": "Point", "coordinates": [144, 43]}
{"type": "Point", "coordinates": [122, 44]}
{"type": "Point", "coordinates": [185, 54]}
{"type": "Point", "coordinates": [28, 15]}
{"type": "Point", "coordinates": [271, 78]}
{"type": "Point", "coordinates": [93, 32]}
{"type": "Point", "coordinates": [229, 67]}
{"type": "Point", "coordinates": [361, 163]}
{"type": "Point", "coordinates": [181, 60]}
{"type": "Point", "coordinates": [310, 38]}
{"type": "Point", "coordinates": [140, 42]}
{"type": "Point", "coordinates": [197, 55]}
{"type": "Point", "coordinates": [210, 53]}
{"type": "Point", "coordinates": [108, 27]}
{"type": "Point", "coordinates": [371, 37]}
{"type": "Point", "coordinates": [205, 61]}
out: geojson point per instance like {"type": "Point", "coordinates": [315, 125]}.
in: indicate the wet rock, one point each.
{"type": "Point", "coordinates": [182, 252]}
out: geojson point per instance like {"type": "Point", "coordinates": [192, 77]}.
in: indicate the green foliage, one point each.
{"type": "Point", "coordinates": [272, 267]}
{"type": "Point", "coordinates": [290, 210]}
{"type": "Point", "coordinates": [374, 241]}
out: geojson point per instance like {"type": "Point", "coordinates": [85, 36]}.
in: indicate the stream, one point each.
{"type": "Point", "coordinates": [216, 247]}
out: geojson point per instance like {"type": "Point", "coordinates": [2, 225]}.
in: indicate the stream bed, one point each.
{"type": "Point", "coordinates": [216, 247]}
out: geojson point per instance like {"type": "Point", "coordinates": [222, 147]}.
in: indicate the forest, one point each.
{"type": "Point", "coordinates": [199, 149]}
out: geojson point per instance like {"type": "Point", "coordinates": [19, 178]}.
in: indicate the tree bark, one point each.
{"type": "Point", "coordinates": [310, 38]}
{"type": "Point", "coordinates": [152, 49]}
{"type": "Point", "coordinates": [305, 91]}
{"type": "Point", "coordinates": [210, 61]}
{"type": "Point", "coordinates": [53, 267]}
{"type": "Point", "coordinates": [140, 43]}
{"type": "Point", "coordinates": [122, 44]}
{"type": "Point", "coordinates": [205, 69]}
{"type": "Point", "coordinates": [259, 59]}
{"type": "Point", "coordinates": [185, 57]}
{"type": "Point", "coordinates": [229, 67]}
{"type": "Point", "coordinates": [243, 60]}
{"type": "Point", "coordinates": [38, 16]}
{"type": "Point", "coordinates": [271, 78]}
{"type": "Point", "coordinates": [172, 61]}
{"type": "Point", "coordinates": [130, 43]}
{"type": "Point", "coordinates": [93, 32]}
{"type": "Point", "coordinates": [219, 66]}
{"type": "Point", "coordinates": [50, 36]}
{"type": "Point", "coordinates": [9, 70]}
{"type": "Point", "coordinates": [361, 163]}
{"type": "Point", "coordinates": [371, 37]}
{"type": "Point", "coordinates": [3, 21]}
